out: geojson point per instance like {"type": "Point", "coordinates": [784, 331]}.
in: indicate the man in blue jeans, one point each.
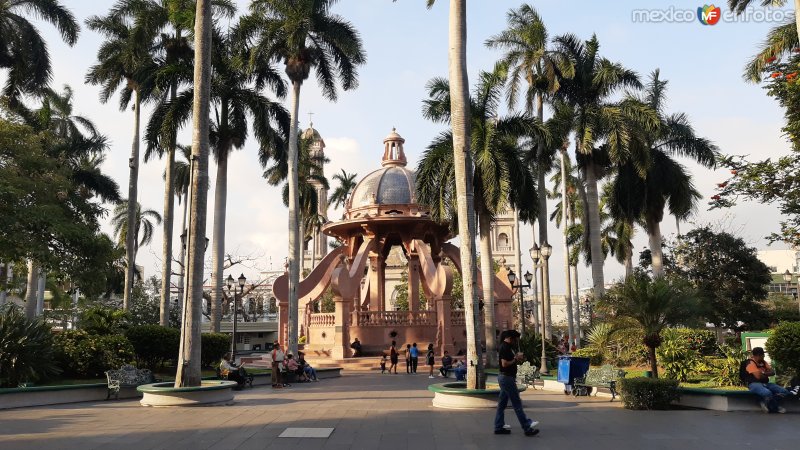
{"type": "Point", "coordinates": [507, 379]}
{"type": "Point", "coordinates": [755, 372]}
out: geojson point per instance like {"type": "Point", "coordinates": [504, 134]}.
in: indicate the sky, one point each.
{"type": "Point", "coordinates": [406, 46]}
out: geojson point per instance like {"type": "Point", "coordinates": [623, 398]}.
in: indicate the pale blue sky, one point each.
{"type": "Point", "coordinates": [406, 46]}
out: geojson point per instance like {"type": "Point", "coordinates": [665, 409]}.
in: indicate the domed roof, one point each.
{"type": "Point", "coordinates": [392, 184]}
{"type": "Point", "coordinates": [311, 132]}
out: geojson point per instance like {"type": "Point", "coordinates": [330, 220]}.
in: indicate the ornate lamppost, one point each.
{"type": "Point", "coordinates": [229, 281]}
{"type": "Point", "coordinates": [512, 278]}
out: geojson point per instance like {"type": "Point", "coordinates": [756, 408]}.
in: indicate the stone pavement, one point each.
{"type": "Point", "coordinates": [373, 411]}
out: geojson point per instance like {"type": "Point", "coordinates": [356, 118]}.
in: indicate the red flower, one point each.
{"type": "Point", "coordinates": [734, 172]}
{"type": "Point", "coordinates": [796, 49]}
{"type": "Point", "coordinates": [722, 185]}
{"type": "Point", "coordinates": [771, 59]}
{"type": "Point", "coordinates": [715, 197]}
{"type": "Point", "coordinates": [776, 74]}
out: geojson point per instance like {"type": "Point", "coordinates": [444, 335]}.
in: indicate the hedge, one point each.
{"type": "Point", "coordinates": [84, 355]}
{"type": "Point", "coordinates": [154, 345]}
{"type": "Point", "coordinates": [214, 346]}
{"type": "Point", "coordinates": [783, 346]}
{"type": "Point", "coordinates": [648, 393]}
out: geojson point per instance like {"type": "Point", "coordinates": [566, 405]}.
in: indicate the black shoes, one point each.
{"type": "Point", "coordinates": [502, 431]}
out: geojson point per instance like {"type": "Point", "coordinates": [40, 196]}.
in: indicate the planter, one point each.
{"type": "Point", "coordinates": [210, 392]}
{"type": "Point", "coordinates": [457, 396]}
{"type": "Point", "coordinates": [726, 400]}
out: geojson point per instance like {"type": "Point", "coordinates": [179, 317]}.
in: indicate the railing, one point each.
{"type": "Point", "coordinates": [457, 317]}
{"type": "Point", "coordinates": [383, 318]}
{"type": "Point", "coordinates": [323, 319]}
{"type": "Point", "coordinates": [504, 248]}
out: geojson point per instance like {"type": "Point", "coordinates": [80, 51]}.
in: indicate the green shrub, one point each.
{"type": "Point", "coordinates": [154, 345]}
{"type": "Point", "coordinates": [530, 345]}
{"type": "Point", "coordinates": [725, 370]}
{"type": "Point", "coordinates": [784, 347]}
{"type": "Point", "coordinates": [594, 355]}
{"type": "Point", "coordinates": [677, 355]}
{"type": "Point", "coordinates": [699, 340]}
{"type": "Point", "coordinates": [648, 393]}
{"type": "Point", "coordinates": [84, 355]}
{"type": "Point", "coordinates": [102, 320]}
{"type": "Point", "coordinates": [214, 346]}
{"type": "Point", "coordinates": [26, 348]}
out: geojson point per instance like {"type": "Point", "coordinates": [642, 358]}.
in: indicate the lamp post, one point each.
{"type": "Point", "coordinates": [536, 254]}
{"type": "Point", "coordinates": [512, 278]}
{"type": "Point", "coordinates": [229, 281]}
{"type": "Point", "coordinates": [547, 250]}
{"type": "Point", "coordinates": [787, 277]}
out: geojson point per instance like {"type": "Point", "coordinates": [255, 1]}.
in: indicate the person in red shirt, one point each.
{"type": "Point", "coordinates": [756, 376]}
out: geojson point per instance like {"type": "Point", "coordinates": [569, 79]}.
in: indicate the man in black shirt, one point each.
{"type": "Point", "coordinates": [507, 379]}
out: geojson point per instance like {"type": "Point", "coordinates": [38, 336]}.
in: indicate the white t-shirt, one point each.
{"type": "Point", "coordinates": [277, 355]}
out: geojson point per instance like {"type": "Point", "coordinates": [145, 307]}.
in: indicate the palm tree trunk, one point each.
{"type": "Point", "coordinates": [547, 318]}
{"type": "Point", "coordinates": [518, 258]}
{"type": "Point", "coordinates": [576, 301]}
{"type": "Point", "coordinates": [4, 269]}
{"type": "Point", "coordinates": [189, 353]}
{"type": "Point", "coordinates": [30, 293]}
{"type": "Point", "coordinates": [42, 283]}
{"type": "Point", "coordinates": [133, 185]}
{"type": "Point", "coordinates": [593, 209]}
{"type": "Point", "coordinates": [797, 16]}
{"type": "Point", "coordinates": [184, 264]}
{"type": "Point", "coordinates": [462, 162]}
{"type": "Point", "coordinates": [651, 355]}
{"type": "Point", "coordinates": [218, 252]}
{"type": "Point", "coordinates": [654, 236]}
{"type": "Point", "coordinates": [295, 245]}
{"type": "Point", "coordinates": [487, 275]}
{"type": "Point", "coordinates": [628, 264]}
{"type": "Point", "coordinates": [565, 222]}
{"type": "Point", "coordinates": [169, 216]}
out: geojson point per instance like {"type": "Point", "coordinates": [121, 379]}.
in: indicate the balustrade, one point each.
{"type": "Point", "coordinates": [323, 319]}
{"type": "Point", "coordinates": [457, 317]}
{"type": "Point", "coordinates": [400, 318]}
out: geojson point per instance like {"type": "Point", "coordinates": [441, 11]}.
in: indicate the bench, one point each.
{"type": "Point", "coordinates": [527, 374]}
{"type": "Point", "coordinates": [127, 376]}
{"type": "Point", "coordinates": [248, 379]}
{"type": "Point", "coordinates": [604, 377]}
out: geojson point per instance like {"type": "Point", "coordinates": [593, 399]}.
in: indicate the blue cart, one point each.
{"type": "Point", "coordinates": [570, 368]}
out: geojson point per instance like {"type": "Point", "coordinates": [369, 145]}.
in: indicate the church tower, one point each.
{"type": "Point", "coordinates": [318, 247]}
{"type": "Point", "coordinates": [504, 239]}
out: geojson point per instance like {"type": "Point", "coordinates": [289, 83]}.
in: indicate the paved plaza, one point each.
{"type": "Point", "coordinates": [373, 411]}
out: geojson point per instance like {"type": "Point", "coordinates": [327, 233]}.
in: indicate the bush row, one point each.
{"type": "Point", "coordinates": [648, 393]}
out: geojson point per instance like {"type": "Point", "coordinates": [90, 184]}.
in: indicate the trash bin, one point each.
{"type": "Point", "coordinates": [571, 367]}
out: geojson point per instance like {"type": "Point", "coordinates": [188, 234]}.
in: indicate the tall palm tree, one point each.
{"type": "Point", "coordinates": [23, 51]}
{"type": "Point", "coordinates": [124, 62]}
{"type": "Point", "coordinates": [146, 221]}
{"type": "Point", "coordinates": [528, 58]}
{"type": "Point", "coordinates": [665, 182]}
{"type": "Point", "coordinates": [501, 179]}
{"type": "Point", "coordinates": [347, 182]}
{"type": "Point", "coordinates": [304, 35]}
{"type": "Point", "coordinates": [235, 97]}
{"type": "Point", "coordinates": [789, 32]}
{"type": "Point", "coordinates": [189, 372]}
{"type": "Point", "coordinates": [599, 120]}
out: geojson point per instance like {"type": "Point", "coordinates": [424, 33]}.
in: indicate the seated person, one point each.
{"type": "Point", "coordinates": [356, 346]}
{"type": "Point", "coordinates": [447, 364]}
{"type": "Point", "coordinates": [310, 373]}
{"type": "Point", "coordinates": [230, 371]}
{"type": "Point", "coordinates": [461, 371]}
{"type": "Point", "coordinates": [293, 367]}
{"type": "Point", "coordinates": [755, 373]}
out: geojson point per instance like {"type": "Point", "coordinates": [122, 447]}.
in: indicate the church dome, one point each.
{"type": "Point", "coordinates": [392, 184]}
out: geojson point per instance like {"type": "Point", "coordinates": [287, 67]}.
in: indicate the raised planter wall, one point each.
{"type": "Point", "coordinates": [76, 393]}
{"type": "Point", "coordinates": [725, 400]}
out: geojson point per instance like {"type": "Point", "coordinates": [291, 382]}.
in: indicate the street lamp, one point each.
{"type": "Point", "coordinates": [229, 282]}
{"type": "Point", "coordinates": [512, 278]}
{"type": "Point", "coordinates": [536, 254]}
{"type": "Point", "coordinates": [547, 250]}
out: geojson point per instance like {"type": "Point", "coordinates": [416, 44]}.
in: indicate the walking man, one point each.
{"type": "Point", "coordinates": [507, 379]}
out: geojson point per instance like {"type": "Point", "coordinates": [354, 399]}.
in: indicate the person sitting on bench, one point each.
{"type": "Point", "coordinates": [447, 364]}
{"type": "Point", "coordinates": [755, 373]}
{"type": "Point", "coordinates": [461, 371]}
{"type": "Point", "coordinates": [231, 371]}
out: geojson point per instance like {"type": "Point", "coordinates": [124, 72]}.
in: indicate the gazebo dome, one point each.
{"type": "Point", "coordinates": [392, 184]}
{"type": "Point", "coordinates": [311, 133]}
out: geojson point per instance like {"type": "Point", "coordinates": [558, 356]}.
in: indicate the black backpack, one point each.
{"type": "Point", "coordinates": [744, 376]}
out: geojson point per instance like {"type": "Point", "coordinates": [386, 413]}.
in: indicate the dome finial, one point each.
{"type": "Point", "coordinates": [393, 154]}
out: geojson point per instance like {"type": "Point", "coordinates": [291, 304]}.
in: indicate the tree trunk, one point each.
{"type": "Point", "coordinates": [518, 258]}
{"type": "Point", "coordinates": [30, 293]}
{"type": "Point", "coordinates": [593, 209]}
{"type": "Point", "coordinates": [218, 251]}
{"type": "Point", "coordinates": [42, 281]}
{"type": "Point", "coordinates": [169, 219]}
{"type": "Point", "coordinates": [576, 296]}
{"type": "Point", "coordinates": [487, 275]}
{"type": "Point", "coordinates": [184, 264]}
{"type": "Point", "coordinates": [189, 353]}
{"type": "Point", "coordinates": [295, 243]}
{"type": "Point", "coordinates": [565, 226]}
{"type": "Point", "coordinates": [654, 236]}
{"type": "Point", "coordinates": [133, 186]}
{"type": "Point", "coordinates": [797, 16]}
{"type": "Point", "coordinates": [628, 264]}
{"type": "Point", "coordinates": [4, 279]}
{"type": "Point", "coordinates": [651, 355]}
{"type": "Point", "coordinates": [462, 162]}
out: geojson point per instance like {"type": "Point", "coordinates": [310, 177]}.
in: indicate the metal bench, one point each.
{"type": "Point", "coordinates": [604, 377]}
{"type": "Point", "coordinates": [527, 374]}
{"type": "Point", "coordinates": [127, 376]}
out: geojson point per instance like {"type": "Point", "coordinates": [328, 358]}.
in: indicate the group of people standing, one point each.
{"type": "Point", "coordinates": [412, 353]}
{"type": "Point", "coordinates": [285, 363]}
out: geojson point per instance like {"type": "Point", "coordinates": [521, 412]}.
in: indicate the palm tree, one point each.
{"type": "Point", "coordinates": [528, 58]}
{"type": "Point", "coordinates": [189, 371]}
{"type": "Point", "coordinates": [304, 35]}
{"type": "Point", "coordinates": [780, 40]}
{"type": "Point", "coordinates": [235, 97]}
{"type": "Point", "coordinates": [145, 223]}
{"type": "Point", "coordinates": [598, 120]}
{"type": "Point", "coordinates": [23, 51]}
{"type": "Point", "coordinates": [347, 182]}
{"type": "Point", "coordinates": [665, 182]}
{"type": "Point", "coordinates": [501, 179]}
{"type": "Point", "coordinates": [125, 64]}
{"type": "Point", "coordinates": [653, 305]}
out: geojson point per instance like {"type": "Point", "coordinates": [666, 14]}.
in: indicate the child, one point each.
{"type": "Point", "coordinates": [383, 364]}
